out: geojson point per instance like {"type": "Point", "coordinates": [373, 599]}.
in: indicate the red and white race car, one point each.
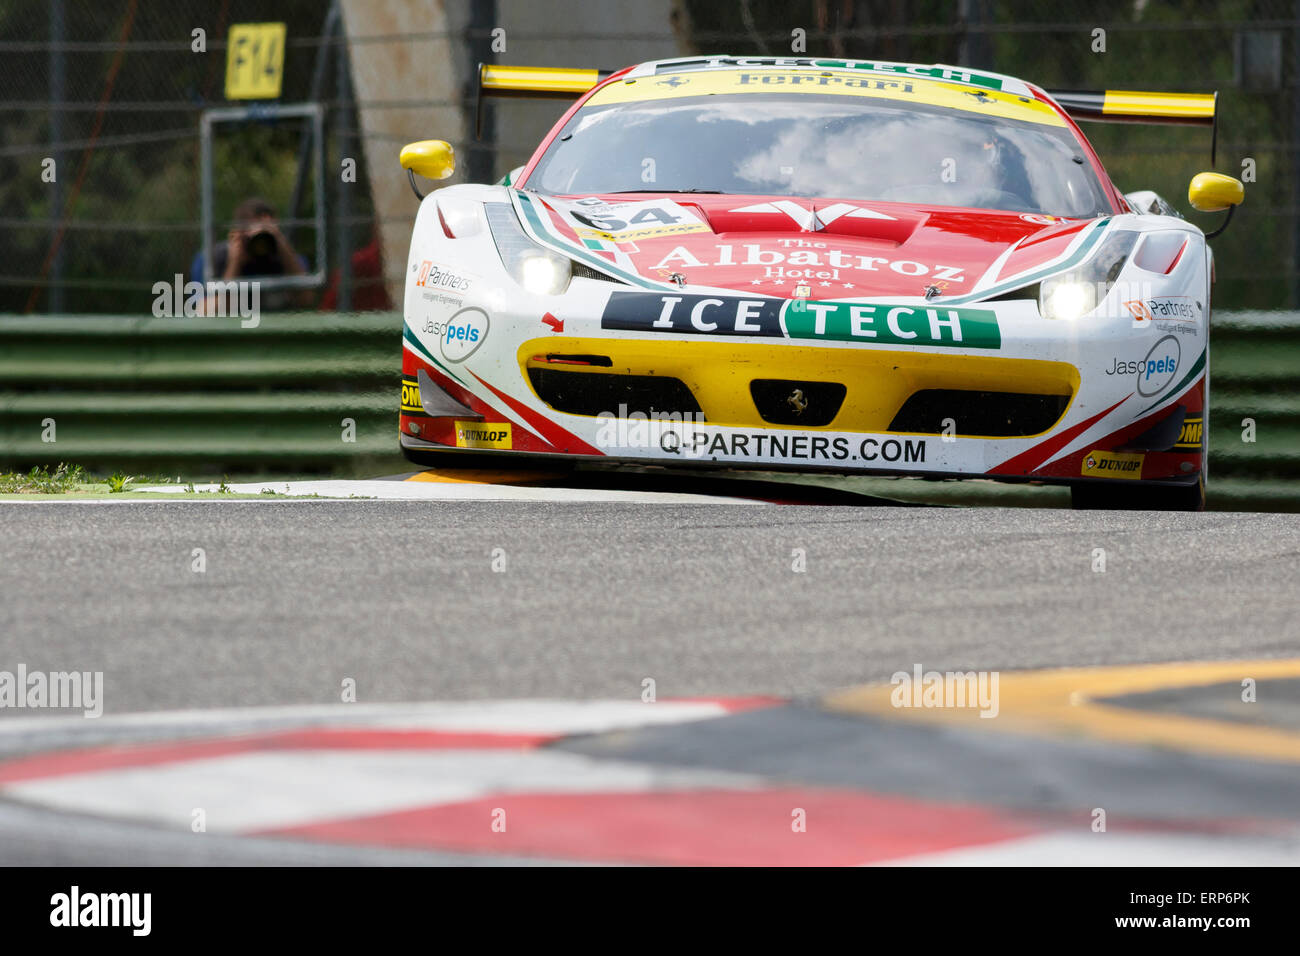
{"type": "Point", "coordinates": [815, 264]}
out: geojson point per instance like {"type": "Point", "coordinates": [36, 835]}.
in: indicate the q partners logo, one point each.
{"type": "Point", "coordinates": [463, 333]}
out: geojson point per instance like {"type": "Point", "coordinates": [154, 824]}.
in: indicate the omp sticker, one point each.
{"type": "Point", "coordinates": [901, 87]}
{"type": "Point", "coordinates": [411, 397]}
{"type": "Point", "coordinates": [483, 435]}
{"type": "Point", "coordinates": [1107, 464]}
{"type": "Point", "coordinates": [1191, 435]}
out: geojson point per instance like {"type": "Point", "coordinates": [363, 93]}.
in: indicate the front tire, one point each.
{"type": "Point", "coordinates": [1114, 496]}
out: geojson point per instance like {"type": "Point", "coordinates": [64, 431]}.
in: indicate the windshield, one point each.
{"type": "Point", "coordinates": [829, 146]}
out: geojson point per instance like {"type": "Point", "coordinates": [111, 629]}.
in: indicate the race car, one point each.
{"type": "Point", "coordinates": [816, 265]}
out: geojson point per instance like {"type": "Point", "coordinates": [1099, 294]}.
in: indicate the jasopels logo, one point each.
{"type": "Point", "coordinates": [1160, 366]}
{"type": "Point", "coordinates": [463, 333]}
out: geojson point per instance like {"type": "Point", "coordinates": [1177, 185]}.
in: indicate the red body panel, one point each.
{"type": "Point", "coordinates": [768, 253]}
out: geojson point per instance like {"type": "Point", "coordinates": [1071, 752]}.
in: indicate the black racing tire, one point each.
{"type": "Point", "coordinates": [1118, 496]}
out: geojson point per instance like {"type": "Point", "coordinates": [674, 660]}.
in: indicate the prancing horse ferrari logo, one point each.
{"type": "Point", "coordinates": [797, 401]}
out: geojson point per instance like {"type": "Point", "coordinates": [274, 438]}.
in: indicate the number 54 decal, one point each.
{"type": "Point", "coordinates": [628, 221]}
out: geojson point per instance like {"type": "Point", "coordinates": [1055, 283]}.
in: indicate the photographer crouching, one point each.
{"type": "Point", "coordinates": [255, 248]}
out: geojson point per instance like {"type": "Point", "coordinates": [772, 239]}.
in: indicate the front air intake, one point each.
{"type": "Point", "coordinates": [985, 414]}
{"type": "Point", "coordinates": [594, 393]}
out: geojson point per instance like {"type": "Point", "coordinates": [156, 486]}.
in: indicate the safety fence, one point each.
{"type": "Point", "coordinates": [318, 394]}
{"type": "Point", "coordinates": [297, 394]}
{"type": "Point", "coordinates": [101, 107]}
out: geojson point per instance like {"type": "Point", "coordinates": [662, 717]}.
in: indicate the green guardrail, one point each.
{"type": "Point", "coordinates": [203, 397]}
{"type": "Point", "coordinates": [1255, 393]}
{"type": "Point", "coordinates": [206, 397]}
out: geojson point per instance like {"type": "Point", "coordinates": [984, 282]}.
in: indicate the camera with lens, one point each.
{"type": "Point", "coordinates": [261, 246]}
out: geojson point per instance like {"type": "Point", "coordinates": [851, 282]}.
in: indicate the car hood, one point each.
{"type": "Point", "coordinates": [801, 247]}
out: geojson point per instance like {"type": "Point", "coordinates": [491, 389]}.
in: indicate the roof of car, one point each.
{"type": "Point", "coordinates": [903, 89]}
{"type": "Point", "coordinates": [934, 71]}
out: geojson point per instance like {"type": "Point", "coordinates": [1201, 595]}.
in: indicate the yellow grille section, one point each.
{"type": "Point", "coordinates": [878, 381]}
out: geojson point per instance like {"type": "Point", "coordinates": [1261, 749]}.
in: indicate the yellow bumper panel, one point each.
{"type": "Point", "coordinates": [877, 381]}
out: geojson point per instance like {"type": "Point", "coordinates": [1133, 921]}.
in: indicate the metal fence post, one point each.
{"type": "Point", "coordinates": [343, 215]}
{"type": "Point", "coordinates": [58, 78]}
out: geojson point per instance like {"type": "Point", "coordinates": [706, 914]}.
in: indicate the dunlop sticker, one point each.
{"type": "Point", "coordinates": [1108, 464]}
{"type": "Point", "coordinates": [483, 435]}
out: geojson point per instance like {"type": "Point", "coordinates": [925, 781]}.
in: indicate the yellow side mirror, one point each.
{"type": "Point", "coordinates": [1211, 192]}
{"type": "Point", "coordinates": [431, 158]}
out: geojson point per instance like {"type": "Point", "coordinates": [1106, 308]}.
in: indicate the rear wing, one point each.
{"type": "Point", "coordinates": [539, 82]}
{"type": "Point", "coordinates": [1129, 106]}
{"type": "Point", "coordinates": [1108, 106]}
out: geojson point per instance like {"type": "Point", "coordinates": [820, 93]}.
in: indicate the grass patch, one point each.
{"type": "Point", "coordinates": [117, 482]}
{"type": "Point", "coordinates": [42, 481]}
{"type": "Point", "coordinates": [72, 480]}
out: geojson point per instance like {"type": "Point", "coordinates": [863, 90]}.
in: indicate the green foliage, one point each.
{"type": "Point", "coordinates": [63, 478]}
{"type": "Point", "coordinates": [117, 482]}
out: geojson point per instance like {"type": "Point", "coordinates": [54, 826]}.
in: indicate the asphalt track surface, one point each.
{"type": "Point", "coordinates": [593, 598]}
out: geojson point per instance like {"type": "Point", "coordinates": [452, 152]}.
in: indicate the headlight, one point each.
{"type": "Point", "coordinates": [539, 270]}
{"type": "Point", "coordinates": [1077, 292]}
{"type": "Point", "coordinates": [1066, 298]}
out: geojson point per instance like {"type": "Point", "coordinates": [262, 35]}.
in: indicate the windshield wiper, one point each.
{"type": "Point", "coordinates": [623, 192]}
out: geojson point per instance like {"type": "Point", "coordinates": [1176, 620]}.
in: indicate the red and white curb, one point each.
{"type": "Point", "coordinates": [480, 778]}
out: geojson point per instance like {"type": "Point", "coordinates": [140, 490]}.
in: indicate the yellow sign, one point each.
{"type": "Point", "coordinates": [906, 89]}
{"type": "Point", "coordinates": [483, 435]}
{"type": "Point", "coordinates": [254, 61]}
{"type": "Point", "coordinates": [1106, 464]}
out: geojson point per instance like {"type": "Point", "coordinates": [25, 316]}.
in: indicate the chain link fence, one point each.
{"type": "Point", "coordinates": [100, 105]}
